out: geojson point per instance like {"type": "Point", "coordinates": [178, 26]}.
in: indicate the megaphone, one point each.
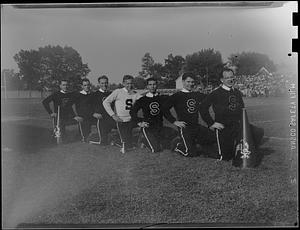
{"type": "Point", "coordinates": [245, 151]}
{"type": "Point", "coordinates": [57, 129]}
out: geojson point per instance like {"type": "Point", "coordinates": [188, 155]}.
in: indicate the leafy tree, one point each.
{"type": "Point", "coordinates": [172, 68]}
{"type": "Point", "coordinates": [249, 63]}
{"type": "Point", "coordinates": [12, 80]}
{"type": "Point", "coordinates": [113, 86]}
{"type": "Point", "coordinates": [139, 82]}
{"type": "Point", "coordinates": [206, 64]}
{"type": "Point", "coordinates": [148, 62]}
{"type": "Point", "coordinates": [94, 87]}
{"type": "Point", "coordinates": [29, 64]}
{"type": "Point", "coordinates": [152, 69]}
{"type": "Point", "coordinates": [45, 67]}
{"type": "Point", "coordinates": [157, 71]}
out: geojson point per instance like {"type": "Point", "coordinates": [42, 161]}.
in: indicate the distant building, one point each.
{"type": "Point", "coordinates": [179, 82]}
{"type": "Point", "coordinates": [263, 72]}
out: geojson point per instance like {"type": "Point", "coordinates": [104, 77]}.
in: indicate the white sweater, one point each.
{"type": "Point", "coordinates": [123, 102]}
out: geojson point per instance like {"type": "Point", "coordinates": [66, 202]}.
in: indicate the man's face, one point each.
{"type": "Point", "coordinates": [64, 86]}
{"type": "Point", "coordinates": [86, 86]}
{"type": "Point", "coordinates": [103, 84]}
{"type": "Point", "coordinates": [228, 78]}
{"type": "Point", "coordinates": [152, 86]}
{"type": "Point", "coordinates": [188, 83]}
{"type": "Point", "coordinates": [128, 84]}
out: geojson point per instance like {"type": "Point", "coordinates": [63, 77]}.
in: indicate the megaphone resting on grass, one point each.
{"type": "Point", "coordinates": [245, 152]}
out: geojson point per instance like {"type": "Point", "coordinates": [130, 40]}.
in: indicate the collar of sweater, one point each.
{"type": "Point", "coordinates": [84, 92]}
{"type": "Point", "coordinates": [226, 87]}
{"type": "Point", "coordinates": [151, 94]}
{"type": "Point", "coordinates": [102, 91]}
{"type": "Point", "coordinates": [186, 91]}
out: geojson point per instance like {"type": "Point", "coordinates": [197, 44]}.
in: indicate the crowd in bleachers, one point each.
{"type": "Point", "coordinates": [262, 85]}
{"type": "Point", "coordinates": [275, 85]}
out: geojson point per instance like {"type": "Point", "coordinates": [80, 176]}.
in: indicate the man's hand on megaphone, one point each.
{"type": "Point", "coordinates": [78, 119]}
{"type": "Point", "coordinates": [117, 118]}
{"type": "Point", "coordinates": [97, 116]}
{"type": "Point", "coordinates": [180, 124]}
{"type": "Point", "coordinates": [143, 124]}
{"type": "Point", "coordinates": [217, 125]}
{"type": "Point", "coordinates": [53, 115]}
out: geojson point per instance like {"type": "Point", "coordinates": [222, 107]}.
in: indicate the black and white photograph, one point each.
{"type": "Point", "coordinates": [149, 115]}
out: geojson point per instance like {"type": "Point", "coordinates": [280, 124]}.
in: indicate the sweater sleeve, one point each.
{"type": "Point", "coordinates": [74, 103]}
{"type": "Point", "coordinates": [46, 103]}
{"type": "Point", "coordinates": [138, 96]}
{"type": "Point", "coordinates": [167, 105]}
{"type": "Point", "coordinates": [204, 109]}
{"type": "Point", "coordinates": [95, 103]}
{"type": "Point", "coordinates": [134, 111]}
{"type": "Point", "coordinates": [108, 102]}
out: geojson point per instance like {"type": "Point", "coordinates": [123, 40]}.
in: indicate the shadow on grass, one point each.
{"type": "Point", "coordinates": [28, 138]}
{"type": "Point", "coordinates": [261, 152]}
{"type": "Point", "coordinates": [210, 151]}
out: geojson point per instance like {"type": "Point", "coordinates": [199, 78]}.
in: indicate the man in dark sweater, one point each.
{"type": "Point", "coordinates": [156, 136]}
{"type": "Point", "coordinates": [83, 109]}
{"type": "Point", "coordinates": [227, 104]}
{"type": "Point", "coordinates": [62, 99]}
{"type": "Point", "coordinates": [186, 104]}
{"type": "Point", "coordinates": [104, 122]}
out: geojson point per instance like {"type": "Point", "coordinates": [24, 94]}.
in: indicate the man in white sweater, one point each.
{"type": "Point", "coordinates": [123, 100]}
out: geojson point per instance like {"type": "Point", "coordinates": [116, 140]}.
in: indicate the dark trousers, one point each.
{"type": "Point", "coordinates": [191, 135]}
{"type": "Point", "coordinates": [85, 128]}
{"type": "Point", "coordinates": [63, 125]}
{"type": "Point", "coordinates": [156, 138]}
{"type": "Point", "coordinates": [228, 137]}
{"type": "Point", "coordinates": [125, 133]}
{"type": "Point", "coordinates": [104, 127]}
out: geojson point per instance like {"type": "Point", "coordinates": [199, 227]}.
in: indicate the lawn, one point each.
{"type": "Point", "coordinates": [77, 183]}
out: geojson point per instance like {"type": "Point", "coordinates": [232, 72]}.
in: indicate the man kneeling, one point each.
{"type": "Point", "coordinates": [156, 136]}
{"type": "Point", "coordinates": [186, 104]}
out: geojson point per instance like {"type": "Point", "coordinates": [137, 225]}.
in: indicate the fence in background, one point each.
{"type": "Point", "coordinates": [11, 94]}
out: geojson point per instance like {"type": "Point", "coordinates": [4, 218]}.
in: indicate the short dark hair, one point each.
{"type": "Point", "coordinates": [127, 77]}
{"type": "Point", "coordinates": [188, 74]}
{"type": "Point", "coordinates": [102, 77]}
{"type": "Point", "coordinates": [85, 80]}
{"type": "Point", "coordinates": [151, 79]}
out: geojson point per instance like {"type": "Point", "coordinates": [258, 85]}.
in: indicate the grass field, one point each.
{"type": "Point", "coordinates": [78, 183]}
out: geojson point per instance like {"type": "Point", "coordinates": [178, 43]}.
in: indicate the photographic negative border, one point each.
{"type": "Point", "coordinates": [293, 91]}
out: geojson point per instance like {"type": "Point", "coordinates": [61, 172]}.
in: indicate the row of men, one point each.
{"type": "Point", "coordinates": [121, 109]}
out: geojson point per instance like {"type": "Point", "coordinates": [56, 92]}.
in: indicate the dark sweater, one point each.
{"type": "Point", "coordinates": [64, 100]}
{"type": "Point", "coordinates": [151, 108]}
{"type": "Point", "coordinates": [98, 98]}
{"type": "Point", "coordinates": [227, 106]}
{"type": "Point", "coordinates": [186, 105]}
{"type": "Point", "coordinates": [83, 104]}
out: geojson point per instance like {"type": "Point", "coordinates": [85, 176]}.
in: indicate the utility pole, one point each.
{"type": "Point", "coordinates": [5, 72]}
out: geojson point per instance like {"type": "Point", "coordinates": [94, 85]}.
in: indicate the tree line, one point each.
{"type": "Point", "coordinates": [43, 68]}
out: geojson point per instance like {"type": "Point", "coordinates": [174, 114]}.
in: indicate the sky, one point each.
{"type": "Point", "coordinates": [112, 41]}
